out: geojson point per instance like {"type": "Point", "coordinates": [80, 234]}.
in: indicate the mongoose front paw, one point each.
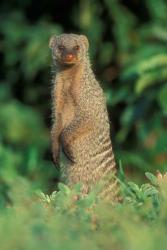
{"type": "Point", "coordinates": [68, 153]}
{"type": "Point", "coordinates": [56, 160]}
{"type": "Point", "coordinates": [56, 154]}
{"type": "Point", "coordinates": [66, 142]}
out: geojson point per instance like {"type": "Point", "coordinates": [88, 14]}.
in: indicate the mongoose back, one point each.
{"type": "Point", "coordinates": [81, 125]}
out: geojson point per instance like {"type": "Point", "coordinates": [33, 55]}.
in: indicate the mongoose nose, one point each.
{"type": "Point", "coordinates": [69, 57]}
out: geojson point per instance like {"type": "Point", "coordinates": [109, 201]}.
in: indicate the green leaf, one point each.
{"type": "Point", "coordinates": [149, 190]}
{"type": "Point", "coordinates": [63, 188]}
{"type": "Point", "coordinates": [134, 187]}
{"type": "Point", "coordinates": [121, 173]}
{"type": "Point", "coordinates": [150, 78]}
{"type": "Point", "coordinates": [152, 178]}
{"type": "Point", "coordinates": [162, 98]}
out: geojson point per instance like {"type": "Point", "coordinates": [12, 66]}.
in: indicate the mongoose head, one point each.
{"type": "Point", "coordinates": [69, 49]}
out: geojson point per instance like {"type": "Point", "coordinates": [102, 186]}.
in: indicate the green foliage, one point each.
{"type": "Point", "coordinates": [162, 97]}
{"type": "Point", "coordinates": [34, 220]}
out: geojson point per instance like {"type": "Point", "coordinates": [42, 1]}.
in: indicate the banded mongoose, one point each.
{"type": "Point", "coordinates": [81, 124]}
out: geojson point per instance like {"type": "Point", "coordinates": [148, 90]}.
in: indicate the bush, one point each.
{"type": "Point", "coordinates": [34, 220]}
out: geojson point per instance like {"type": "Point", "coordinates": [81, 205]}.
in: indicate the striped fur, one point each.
{"type": "Point", "coordinates": [81, 124]}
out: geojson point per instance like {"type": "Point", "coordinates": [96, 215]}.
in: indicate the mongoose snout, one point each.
{"type": "Point", "coordinates": [70, 57]}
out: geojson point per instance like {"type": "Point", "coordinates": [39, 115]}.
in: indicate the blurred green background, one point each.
{"type": "Point", "coordinates": [128, 50]}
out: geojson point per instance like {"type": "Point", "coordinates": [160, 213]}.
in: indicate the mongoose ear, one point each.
{"type": "Point", "coordinates": [85, 41]}
{"type": "Point", "coordinates": [52, 42]}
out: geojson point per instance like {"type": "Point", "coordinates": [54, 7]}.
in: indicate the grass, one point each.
{"type": "Point", "coordinates": [32, 220]}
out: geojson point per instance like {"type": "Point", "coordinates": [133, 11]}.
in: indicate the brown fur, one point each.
{"type": "Point", "coordinates": [81, 125]}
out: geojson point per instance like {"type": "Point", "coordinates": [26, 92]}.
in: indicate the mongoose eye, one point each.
{"type": "Point", "coordinates": [77, 47]}
{"type": "Point", "coordinates": [61, 47]}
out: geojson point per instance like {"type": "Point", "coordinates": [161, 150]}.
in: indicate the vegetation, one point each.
{"type": "Point", "coordinates": [60, 221]}
{"type": "Point", "coordinates": [129, 56]}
